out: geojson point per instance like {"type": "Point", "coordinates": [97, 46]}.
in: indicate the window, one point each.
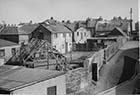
{"type": "Point", "coordinates": [63, 46]}
{"type": "Point", "coordinates": [51, 90]}
{"type": "Point", "coordinates": [64, 35]}
{"type": "Point", "coordinates": [55, 35]}
{"type": "Point", "coordinates": [85, 33]}
{"type": "Point", "coordinates": [40, 36]}
{"type": "Point", "coordinates": [69, 34]}
{"type": "Point", "coordinates": [13, 51]}
{"type": "Point", "coordinates": [81, 35]}
{"type": "Point", "coordinates": [77, 33]}
{"type": "Point", "coordinates": [2, 53]}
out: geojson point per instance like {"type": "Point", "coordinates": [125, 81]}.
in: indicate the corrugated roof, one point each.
{"type": "Point", "coordinates": [4, 43]}
{"type": "Point", "coordinates": [15, 77]}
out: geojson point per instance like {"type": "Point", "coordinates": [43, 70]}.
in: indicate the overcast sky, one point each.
{"type": "Point", "coordinates": [15, 11]}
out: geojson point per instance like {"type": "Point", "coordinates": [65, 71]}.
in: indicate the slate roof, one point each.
{"type": "Point", "coordinates": [111, 24]}
{"type": "Point", "coordinates": [57, 28]}
{"type": "Point", "coordinates": [9, 30]}
{"type": "Point", "coordinates": [71, 26]}
{"type": "Point", "coordinates": [15, 77]}
{"type": "Point", "coordinates": [27, 29]}
{"type": "Point", "coordinates": [5, 43]}
{"type": "Point", "coordinates": [118, 30]}
{"type": "Point", "coordinates": [13, 30]}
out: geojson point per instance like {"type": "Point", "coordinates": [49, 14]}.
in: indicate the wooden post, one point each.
{"type": "Point", "coordinates": [47, 55]}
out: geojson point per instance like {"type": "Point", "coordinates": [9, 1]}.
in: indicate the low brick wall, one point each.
{"type": "Point", "coordinates": [74, 78]}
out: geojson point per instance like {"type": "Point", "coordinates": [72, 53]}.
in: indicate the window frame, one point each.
{"type": "Point", "coordinates": [77, 33]}
{"type": "Point", "coordinates": [54, 87]}
{"type": "Point", "coordinates": [13, 51]}
{"type": "Point", "coordinates": [2, 50]}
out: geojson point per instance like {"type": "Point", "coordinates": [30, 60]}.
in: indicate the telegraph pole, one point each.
{"type": "Point", "coordinates": [131, 21]}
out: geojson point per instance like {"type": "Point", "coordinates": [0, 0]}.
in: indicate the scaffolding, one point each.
{"type": "Point", "coordinates": [36, 51]}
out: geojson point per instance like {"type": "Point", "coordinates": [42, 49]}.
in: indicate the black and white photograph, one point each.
{"type": "Point", "coordinates": [69, 47]}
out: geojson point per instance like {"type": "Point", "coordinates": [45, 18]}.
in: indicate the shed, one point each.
{"type": "Point", "coordinates": [7, 49]}
{"type": "Point", "coordinates": [17, 80]}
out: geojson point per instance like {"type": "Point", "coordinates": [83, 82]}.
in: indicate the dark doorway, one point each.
{"type": "Point", "coordinates": [40, 35]}
{"type": "Point", "coordinates": [66, 48]}
{"type": "Point", "coordinates": [94, 71]}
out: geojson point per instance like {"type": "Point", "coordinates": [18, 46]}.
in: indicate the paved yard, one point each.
{"type": "Point", "coordinates": [111, 72]}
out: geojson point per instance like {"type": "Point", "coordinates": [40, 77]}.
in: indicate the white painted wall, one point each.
{"type": "Point", "coordinates": [41, 88]}
{"type": "Point", "coordinates": [60, 42]}
{"type": "Point", "coordinates": [23, 38]}
{"type": "Point", "coordinates": [8, 51]}
{"type": "Point", "coordinates": [78, 38]}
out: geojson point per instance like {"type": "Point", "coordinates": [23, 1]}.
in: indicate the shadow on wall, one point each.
{"type": "Point", "coordinates": [128, 80]}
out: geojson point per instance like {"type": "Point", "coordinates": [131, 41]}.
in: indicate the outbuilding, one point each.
{"type": "Point", "coordinates": [7, 50]}
{"type": "Point", "coordinates": [15, 80]}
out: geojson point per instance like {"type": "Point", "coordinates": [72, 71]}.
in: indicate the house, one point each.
{"type": "Point", "coordinates": [25, 32]}
{"type": "Point", "coordinates": [7, 50]}
{"type": "Point", "coordinates": [10, 33]}
{"type": "Point", "coordinates": [81, 35]}
{"type": "Point", "coordinates": [15, 80]}
{"type": "Point", "coordinates": [61, 37]}
{"type": "Point", "coordinates": [18, 34]}
{"type": "Point", "coordinates": [105, 26]}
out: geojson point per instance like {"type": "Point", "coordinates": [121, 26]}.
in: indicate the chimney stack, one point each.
{"type": "Point", "coordinates": [131, 28]}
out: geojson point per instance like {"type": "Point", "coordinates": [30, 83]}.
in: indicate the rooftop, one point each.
{"type": "Point", "coordinates": [108, 25]}
{"type": "Point", "coordinates": [15, 77]}
{"type": "Point", "coordinates": [56, 28]}
{"type": "Point", "coordinates": [4, 43]}
{"type": "Point", "coordinates": [9, 30]}
{"type": "Point", "coordinates": [27, 29]}
{"type": "Point", "coordinates": [14, 30]}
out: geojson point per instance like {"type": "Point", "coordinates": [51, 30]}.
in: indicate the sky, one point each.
{"type": "Point", "coordinates": [15, 11]}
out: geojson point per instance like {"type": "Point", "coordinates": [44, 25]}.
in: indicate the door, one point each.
{"type": "Point", "coordinates": [66, 48]}
{"type": "Point", "coordinates": [94, 71]}
{"type": "Point", "coordinates": [41, 36]}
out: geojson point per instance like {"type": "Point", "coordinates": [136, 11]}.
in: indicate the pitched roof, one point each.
{"type": "Point", "coordinates": [15, 77]}
{"type": "Point", "coordinates": [5, 43]}
{"type": "Point", "coordinates": [57, 28]}
{"type": "Point", "coordinates": [13, 30]}
{"type": "Point", "coordinates": [9, 30]}
{"type": "Point", "coordinates": [27, 29]}
{"type": "Point", "coordinates": [118, 30]}
{"type": "Point", "coordinates": [71, 26]}
{"type": "Point", "coordinates": [92, 23]}
{"type": "Point", "coordinates": [111, 24]}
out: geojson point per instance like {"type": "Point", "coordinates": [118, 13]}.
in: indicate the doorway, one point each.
{"type": "Point", "coordinates": [94, 71]}
{"type": "Point", "coordinates": [66, 48]}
